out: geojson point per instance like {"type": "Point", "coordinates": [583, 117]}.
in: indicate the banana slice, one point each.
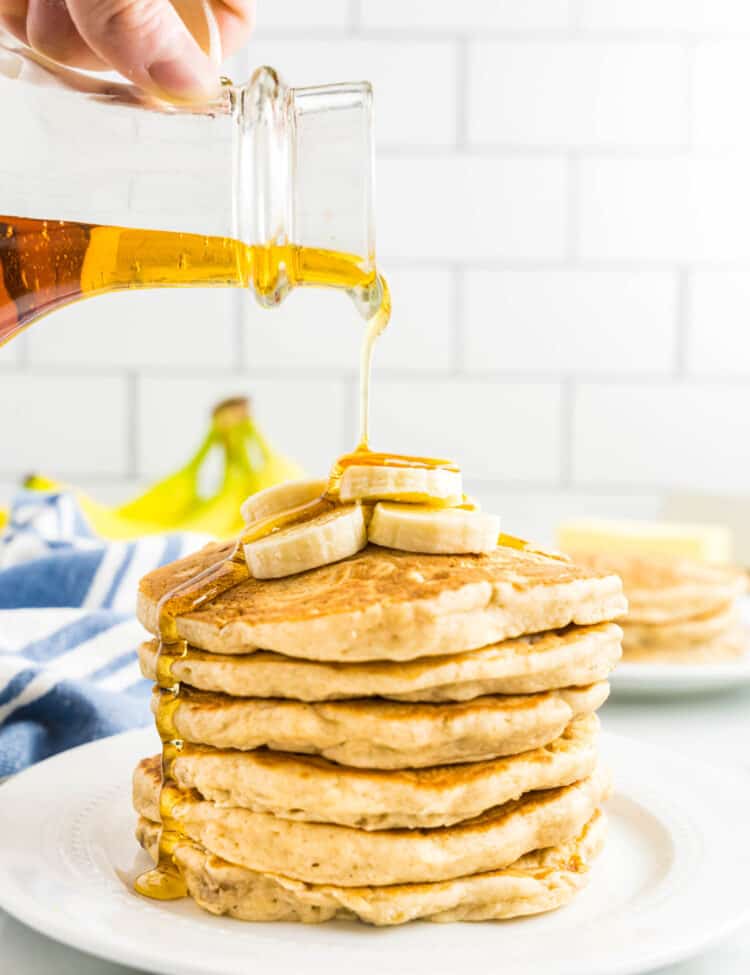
{"type": "Point", "coordinates": [442, 531]}
{"type": "Point", "coordinates": [281, 497]}
{"type": "Point", "coordinates": [329, 537]}
{"type": "Point", "coordinates": [409, 484]}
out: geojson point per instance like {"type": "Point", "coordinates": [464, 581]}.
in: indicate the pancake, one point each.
{"type": "Point", "coordinates": [382, 604]}
{"type": "Point", "coordinates": [697, 631]}
{"type": "Point", "coordinates": [315, 790]}
{"type": "Point", "coordinates": [375, 733]}
{"type": "Point", "coordinates": [578, 655]}
{"type": "Point", "coordinates": [719, 649]}
{"type": "Point", "coordinates": [329, 854]}
{"type": "Point", "coordinates": [539, 881]}
{"type": "Point", "coordinates": [664, 590]}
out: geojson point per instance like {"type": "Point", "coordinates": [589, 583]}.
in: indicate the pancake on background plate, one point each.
{"type": "Point", "coordinates": [680, 610]}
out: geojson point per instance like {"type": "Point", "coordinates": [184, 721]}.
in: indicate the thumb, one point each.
{"type": "Point", "coordinates": [147, 42]}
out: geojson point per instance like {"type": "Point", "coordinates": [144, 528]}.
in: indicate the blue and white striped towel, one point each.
{"type": "Point", "coordinates": [68, 634]}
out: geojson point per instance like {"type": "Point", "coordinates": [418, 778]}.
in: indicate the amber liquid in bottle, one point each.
{"type": "Point", "coordinates": [45, 264]}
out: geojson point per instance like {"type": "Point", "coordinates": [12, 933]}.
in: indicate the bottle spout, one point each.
{"type": "Point", "coordinates": [304, 172]}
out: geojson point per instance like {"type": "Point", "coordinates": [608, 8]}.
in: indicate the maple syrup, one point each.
{"type": "Point", "coordinates": [46, 264]}
{"type": "Point", "coordinates": [164, 882]}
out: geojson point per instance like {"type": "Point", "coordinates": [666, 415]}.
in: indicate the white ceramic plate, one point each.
{"type": "Point", "coordinates": [671, 881]}
{"type": "Point", "coordinates": [659, 679]}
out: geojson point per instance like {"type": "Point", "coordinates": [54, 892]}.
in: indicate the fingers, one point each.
{"type": "Point", "coordinates": [236, 20]}
{"type": "Point", "coordinates": [13, 18]}
{"type": "Point", "coordinates": [146, 41]}
{"type": "Point", "coordinates": [51, 31]}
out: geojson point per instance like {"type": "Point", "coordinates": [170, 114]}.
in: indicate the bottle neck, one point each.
{"type": "Point", "coordinates": [303, 182]}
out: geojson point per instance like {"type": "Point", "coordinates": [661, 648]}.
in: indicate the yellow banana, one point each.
{"type": "Point", "coordinates": [37, 482]}
{"type": "Point", "coordinates": [173, 497]}
{"type": "Point", "coordinates": [250, 465]}
{"type": "Point", "coordinates": [175, 503]}
{"type": "Point", "coordinates": [276, 468]}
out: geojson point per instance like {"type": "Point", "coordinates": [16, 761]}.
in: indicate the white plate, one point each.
{"type": "Point", "coordinates": [671, 880]}
{"type": "Point", "coordinates": [658, 679]}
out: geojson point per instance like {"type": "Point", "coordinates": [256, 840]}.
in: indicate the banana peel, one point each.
{"type": "Point", "coordinates": [177, 503]}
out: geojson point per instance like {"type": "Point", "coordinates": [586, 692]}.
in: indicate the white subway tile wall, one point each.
{"type": "Point", "coordinates": [718, 320]}
{"type": "Point", "coordinates": [684, 437]}
{"type": "Point", "coordinates": [577, 94]}
{"type": "Point", "coordinates": [563, 214]}
{"type": "Point", "coordinates": [70, 422]}
{"type": "Point", "coordinates": [570, 321]}
{"type": "Point", "coordinates": [468, 208]}
{"type": "Point", "coordinates": [504, 431]}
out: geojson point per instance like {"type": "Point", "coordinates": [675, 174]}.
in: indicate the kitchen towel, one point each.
{"type": "Point", "coordinates": [68, 634]}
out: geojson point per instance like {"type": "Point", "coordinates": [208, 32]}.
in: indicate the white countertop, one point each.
{"type": "Point", "coordinates": [715, 728]}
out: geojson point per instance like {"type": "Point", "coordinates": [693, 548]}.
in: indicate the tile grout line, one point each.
{"type": "Point", "coordinates": [681, 325]}
{"type": "Point", "coordinates": [572, 202]}
{"type": "Point", "coordinates": [462, 93]}
{"type": "Point", "coordinates": [132, 424]}
{"type": "Point", "coordinates": [575, 17]}
{"type": "Point", "coordinates": [288, 373]}
{"type": "Point", "coordinates": [567, 419]}
{"type": "Point", "coordinates": [413, 35]}
{"type": "Point", "coordinates": [605, 151]}
{"type": "Point", "coordinates": [458, 322]}
{"type": "Point", "coordinates": [690, 55]}
{"type": "Point", "coordinates": [354, 17]}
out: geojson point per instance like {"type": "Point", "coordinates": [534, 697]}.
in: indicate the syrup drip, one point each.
{"type": "Point", "coordinates": [375, 328]}
{"type": "Point", "coordinates": [165, 882]}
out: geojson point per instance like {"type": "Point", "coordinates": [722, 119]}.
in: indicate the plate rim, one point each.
{"type": "Point", "coordinates": [630, 676]}
{"type": "Point", "coordinates": [107, 946]}
{"type": "Point", "coordinates": [642, 677]}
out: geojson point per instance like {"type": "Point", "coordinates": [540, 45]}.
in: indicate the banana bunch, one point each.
{"type": "Point", "coordinates": [312, 531]}
{"type": "Point", "coordinates": [178, 503]}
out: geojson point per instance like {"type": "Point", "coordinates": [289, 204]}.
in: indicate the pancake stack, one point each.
{"type": "Point", "coordinates": [391, 737]}
{"type": "Point", "coordinates": [680, 611]}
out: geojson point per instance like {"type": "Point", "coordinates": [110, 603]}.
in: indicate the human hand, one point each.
{"type": "Point", "coordinates": [145, 40]}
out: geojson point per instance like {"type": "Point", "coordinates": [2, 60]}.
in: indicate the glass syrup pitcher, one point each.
{"type": "Point", "coordinates": [104, 188]}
